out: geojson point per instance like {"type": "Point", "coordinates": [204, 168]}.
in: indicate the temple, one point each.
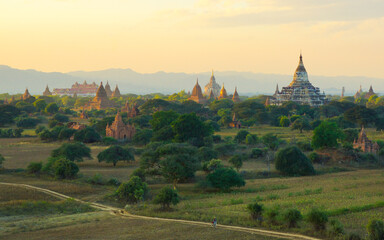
{"type": "Point", "coordinates": [358, 93]}
{"type": "Point", "coordinates": [369, 93]}
{"type": "Point", "coordinates": [131, 111]}
{"type": "Point", "coordinates": [235, 97]}
{"type": "Point", "coordinates": [101, 100]}
{"type": "Point", "coordinates": [108, 89]}
{"type": "Point", "coordinates": [223, 93]}
{"type": "Point", "coordinates": [197, 94]}
{"type": "Point", "coordinates": [84, 89]}
{"type": "Point", "coordinates": [300, 90]}
{"type": "Point", "coordinates": [235, 122]}
{"type": "Point", "coordinates": [212, 86]}
{"type": "Point", "coordinates": [119, 130]}
{"type": "Point", "coordinates": [47, 92]}
{"type": "Point", "coordinates": [26, 95]}
{"type": "Point", "coordinates": [364, 144]}
{"type": "Point", "coordinates": [116, 93]}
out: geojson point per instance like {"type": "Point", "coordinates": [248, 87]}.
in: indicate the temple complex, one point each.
{"type": "Point", "coordinates": [119, 130]}
{"type": "Point", "coordinates": [84, 89]}
{"type": "Point", "coordinates": [369, 93]}
{"type": "Point", "coordinates": [364, 144]}
{"type": "Point", "coordinates": [131, 111]}
{"type": "Point", "coordinates": [235, 97]}
{"type": "Point", "coordinates": [116, 93]}
{"type": "Point", "coordinates": [223, 93]}
{"type": "Point", "coordinates": [197, 94]}
{"type": "Point", "coordinates": [211, 95]}
{"type": "Point", "coordinates": [26, 95]}
{"type": "Point", "coordinates": [101, 101]}
{"type": "Point", "coordinates": [300, 90]}
{"type": "Point", "coordinates": [108, 89]}
{"type": "Point", "coordinates": [47, 92]}
{"type": "Point", "coordinates": [212, 86]}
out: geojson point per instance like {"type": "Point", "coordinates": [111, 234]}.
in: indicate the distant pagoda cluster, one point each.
{"type": "Point", "coordinates": [78, 89]}
{"type": "Point", "coordinates": [300, 90]}
{"type": "Point", "coordinates": [212, 91]}
{"type": "Point", "coordinates": [361, 94]}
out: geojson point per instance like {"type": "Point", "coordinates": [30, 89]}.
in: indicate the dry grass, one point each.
{"type": "Point", "coordinates": [11, 193]}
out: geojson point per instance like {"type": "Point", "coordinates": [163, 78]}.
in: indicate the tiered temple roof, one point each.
{"type": "Point", "coordinates": [101, 101]}
{"type": "Point", "coordinates": [197, 94]}
{"type": "Point", "coordinates": [26, 95]}
{"type": "Point", "coordinates": [223, 93]}
{"type": "Point", "coordinates": [235, 97]}
{"type": "Point", "coordinates": [369, 93]}
{"type": "Point", "coordinates": [119, 130]}
{"type": "Point", "coordinates": [116, 92]}
{"type": "Point", "coordinates": [108, 89]}
{"type": "Point", "coordinates": [364, 143]}
{"type": "Point", "coordinates": [212, 86]}
{"type": "Point", "coordinates": [47, 92]}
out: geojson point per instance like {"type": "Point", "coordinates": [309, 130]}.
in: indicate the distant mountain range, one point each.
{"type": "Point", "coordinates": [15, 81]}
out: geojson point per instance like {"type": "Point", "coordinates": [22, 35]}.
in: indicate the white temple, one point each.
{"type": "Point", "coordinates": [212, 85]}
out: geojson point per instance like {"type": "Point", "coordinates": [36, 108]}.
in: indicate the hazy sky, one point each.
{"type": "Point", "coordinates": [337, 37]}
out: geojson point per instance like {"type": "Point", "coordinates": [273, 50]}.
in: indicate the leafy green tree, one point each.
{"type": "Point", "coordinates": [317, 218]}
{"type": "Point", "coordinates": [34, 167]}
{"type": "Point", "coordinates": [291, 161]}
{"type": "Point", "coordinates": [256, 210]}
{"type": "Point", "coordinates": [284, 121]}
{"type": "Point", "coordinates": [163, 119]}
{"type": "Point", "coordinates": [39, 129]}
{"type": "Point", "coordinates": [301, 124]}
{"type": "Point", "coordinates": [226, 118]}
{"type": "Point", "coordinates": [257, 152]}
{"type": "Point", "coordinates": [375, 229]}
{"type": "Point", "coordinates": [241, 136]}
{"type": "Point", "coordinates": [7, 114]}
{"type": "Point", "coordinates": [251, 139]}
{"type": "Point", "coordinates": [2, 159]}
{"type": "Point", "coordinates": [72, 151]}
{"type": "Point", "coordinates": [361, 115]}
{"type": "Point", "coordinates": [87, 135]}
{"type": "Point", "coordinates": [27, 123]}
{"type": "Point", "coordinates": [40, 104]}
{"type": "Point", "coordinates": [165, 134]}
{"type": "Point", "coordinates": [225, 178]}
{"type": "Point", "coordinates": [52, 108]}
{"type": "Point", "coordinates": [114, 154]}
{"type": "Point", "coordinates": [225, 149]}
{"type": "Point", "coordinates": [216, 105]}
{"type": "Point", "coordinates": [132, 191]}
{"type": "Point", "coordinates": [350, 134]}
{"type": "Point", "coordinates": [64, 168]}
{"type": "Point", "coordinates": [236, 161]}
{"type": "Point", "coordinates": [66, 133]}
{"type": "Point", "coordinates": [212, 165]}
{"type": "Point", "coordinates": [271, 141]}
{"type": "Point", "coordinates": [189, 127]}
{"type": "Point", "coordinates": [206, 154]}
{"type": "Point", "coordinates": [60, 118]}
{"type": "Point", "coordinates": [142, 137]}
{"type": "Point", "coordinates": [166, 197]}
{"type": "Point", "coordinates": [292, 217]}
{"type": "Point", "coordinates": [326, 135]}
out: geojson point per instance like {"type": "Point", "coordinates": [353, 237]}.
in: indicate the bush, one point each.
{"type": "Point", "coordinates": [113, 182]}
{"type": "Point", "coordinates": [132, 191]}
{"type": "Point", "coordinates": [304, 146]}
{"type": "Point", "coordinates": [72, 151]}
{"type": "Point", "coordinates": [87, 135]}
{"type": "Point", "coordinates": [292, 217]}
{"type": "Point", "coordinates": [39, 129]}
{"type": "Point", "coordinates": [212, 165]}
{"type": "Point", "coordinates": [251, 139]}
{"type": "Point", "coordinates": [337, 228]}
{"type": "Point", "coordinates": [34, 167]}
{"type": "Point", "coordinates": [52, 123]}
{"type": "Point", "coordinates": [216, 138]}
{"type": "Point", "coordinates": [318, 219]}
{"type": "Point", "coordinates": [60, 118]}
{"type": "Point", "coordinates": [272, 214]}
{"type": "Point", "coordinates": [236, 161]}
{"type": "Point", "coordinates": [64, 168]}
{"type": "Point", "coordinates": [139, 172]}
{"type": "Point", "coordinates": [256, 211]}
{"type": "Point", "coordinates": [167, 196]}
{"type": "Point", "coordinates": [225, 178]}
{"type": "Point", "coordinates": [225, 149]}
{"type": "Point", "coordinates": [314, 157]}
{"type": "Point", "coordinates": [241, 135]}
{"type": "Point", "coordinates": [291, 161]}
{"type": "Point", "coordinates": [97, 179]}
{"type": "Point", "coordinates": [375, 229]}
{"type": "Point", "coordinates": [52, 108]}
{"type": "Point", "coordinates": [368, 157]}
{"type": "Point", "coordinates": [353, 236]}
{"type": "Point", "coordinates": [206, 154]}
{"type": "Point", "coordinates": [27, 123]}
{"type": "Point", "coordinates": [2, 159]}
{"type": "Point", "coordinates": [257, 152]}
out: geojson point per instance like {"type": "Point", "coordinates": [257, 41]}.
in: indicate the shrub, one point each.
{"type": "Point", "coordinates": [304, 146]}
{"type": "Point", "coordinates": [167, 196]}
{"type": "Point", "coordinates": [257, 153]}
{"type": "Point", "coordinates": [251, 139]}
{"type": "Point", "coordinates": [212, 165]}
{"type": "Point", "coordinates": [109, 141]}
{"type": "Point", "coordinates": [368, 157]}
{"type": "Point", "coordinates": [236, 161]}
{"type": "Point", "coordinates": [272, 214]}
{"type": "Point", "coordinates": [52, 123]}
{"type": "Point", "coordinates": [139, 172]}
{"type": "Point", "coordinates": [52, 108]}
{"type": "Point", "coordinates": [64, 168]}
{"type": "Point", "coordinates": [39, 129]}
{"type": "Point", "coordinates": [375, 229]}
{"type": "Point", "coordinates": [291, 161]}
{"type": "Point", "coordinates": [337, 228]}
{"type": "Point", "coordinates": [216, 138]}
{"type": "Point", "coordinates": [225, 149]}
{"type": "Point", "coordinates": [113, 182]}
{"type": "Point", "coordinates": [60, 118]}
{"type": "Point", "coordinates": [2, 159]}
{"type": "Point", "coordinates": [225, 178]}
{"type": "Point", "coordinates": [206, 154]}
{"type": "Point", "coordinates": [241, 135]}
{"type": "Point", "coordinates": [353, 236]}
{"type": "Point", "coordinates": [34, 167]}
{"type": "Point", "coordinates": [256, 210]}
{"type": "Point", "coordinates": [27, 123]}
{"type": "Point", "coordinates": [97, 179]}
{"type": "Point", "coordinates": [87, 135]}
{"type": "Point", "coordinates": [314, 157]}
{"type": "Point", "coordinates": [132, 191]}
{"type": "Point", "coordinates": [318, 219]}
{"type": "Point", "coordinates": [292, 217]}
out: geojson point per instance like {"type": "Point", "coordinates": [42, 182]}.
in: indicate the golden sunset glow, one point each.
{"type": "Point", "coordinates": [342, 37]}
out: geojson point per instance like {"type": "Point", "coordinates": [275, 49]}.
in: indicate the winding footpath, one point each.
{"type": "Point", "coordinates": [123, 213]}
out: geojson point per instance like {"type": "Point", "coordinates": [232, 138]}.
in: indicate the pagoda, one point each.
{"type": "Point", "coordinates": [300, 90]}
{"type": "Point", "coordinates": [108, 89]}
{"type": "Point", "coordinates": [235, 122]}
{"type": "Point", "coordinates": [26, 95]}
{"type": "Point", "coordinates": [119, 130]}
{"type": "Point", "coordinates": [223, 93]}
{"type": "Point", "coordinates": [358, 93]}
{"type": "Point", "coordinates": [369, 93]}
{"type": "Point", "coordinates": [101, 100]}
{"type": "Point", "coordinates": [211, 95]}
{"type": "Point", "coordinates": [47, 92]}
{"type": "Point", "coordinates": [131, 111]}
{"type": "Point", "coordinates": [212, 86]}
{"type": "Point", "coordinates": [365, 144]}
{"type": "Point", "coordinates": [116, 92]}
{"type": "Point", "coordinates": [235, 97]}
{"type": "Point", "coordinates": [197, 94]}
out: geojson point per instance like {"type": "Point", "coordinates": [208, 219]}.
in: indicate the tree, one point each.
{"type": "Point", "coordinates": [226, 117]}
{"type": "Point", "coordinates": [206, 154]}
{"type": "Point", "coordinates": [163, 119]}
{"type": "Point", "coordinates": [212, 165]}
{"type": "Point", "coordinates": [292, 217]}
{"type": "Point", "coordinates": [34, 167]}
{"type": "Point", "coordinates": [361, 115]}
{"type": "Point", "coordinates": [2, 159]}
{"type": "Point", "coordinates": [301, 124]}
{"type": "Point", "coordinates": [284, 121]}
{"type": "Point", "coordinates": [256, 210]}
{"type": "Point", "coordinates": [64, 168]}
{"type": "Point", "coordinates": [166, 197]}
{"type": "Point", "coordinates": [52, 108]}
{"type": "Point", "coordinates": [72, 151]}
{"type": "Point", "coordinates": [236, 161]}
{"type": "Point", "coordinates": [291, 161]}
{"type": "Point", "coordinates": [40, 104]}
{"type": "Point", "coordinates": [142, 137]}
{"type": "Point", "coordinates": [251, 139]}
{"type": "Point", "coordinates": [66, 133]}
{"type": "Point", "coordinates": [189, 127]}
{"type": "Point", "coordinates": [132, 191]}
{"type": "Point", "coordinates": [271, 141]}
{"type": "Point", "coordinates": [318, 219]}
{"type": "Point", "coordinates": [225, 178]}
{"type": "Point", "coordinates": [216, 105]}
{"type": "Point", "coordinates": [7, 114]}
{"type": "Point", "coordinates": [60, 118]}
{"type": "Point", "coordinates": [114, 154]}
{"type": "Point", "coordinates": [241, 136]}
{"type": "Point", "coordinates": [375, 229]}
{"type": "Point", "coordinates": [87, 135]}
{"type": "Point", "coordinates": [350, 134]}
{"type": "Point", "coordinates": [27, 123]}
{"type": "Point", "coordinates": [326, 135]}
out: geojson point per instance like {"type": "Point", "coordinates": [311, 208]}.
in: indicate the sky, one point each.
{"type": "Point", "coordinates": [336, 37]}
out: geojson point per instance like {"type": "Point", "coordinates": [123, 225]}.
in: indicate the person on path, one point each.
{"type": "Point", "coordinates": [214, 223]}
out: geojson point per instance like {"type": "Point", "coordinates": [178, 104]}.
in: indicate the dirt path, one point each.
{"type": "Point", "coordinates": [123, 213]}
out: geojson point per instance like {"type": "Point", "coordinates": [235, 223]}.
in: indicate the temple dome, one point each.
{"type": "Point", "coordinates": [212, 85]}
{"type": "Point", "coordinates": [300, 77]}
